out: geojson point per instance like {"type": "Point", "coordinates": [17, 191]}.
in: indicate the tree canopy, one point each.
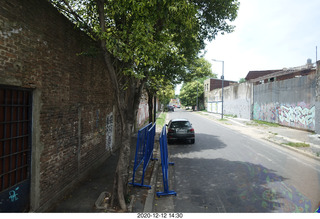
{"type": "Point", "coordinates": [192, 92]}
{"type": "Point", "coordinates": [166, 94]}
{"type": "Point", "coordinates": [151, 34]}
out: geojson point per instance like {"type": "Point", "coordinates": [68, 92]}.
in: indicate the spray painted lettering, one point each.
{"type": "Point", "coordinates": [13, 195]}
{"type": "Point", "coordinates": [297, 114]}
{"type": "Point", "coordinates": [300, 115]}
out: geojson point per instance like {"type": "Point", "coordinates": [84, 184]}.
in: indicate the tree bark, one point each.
{"type": "Point", "coordinates": [150, 105]}
{"type": "Point", "coordinates": [127, 102]}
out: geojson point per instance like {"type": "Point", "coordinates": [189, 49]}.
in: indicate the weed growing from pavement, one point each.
{"type": "Point", "coordinates": [161, 119]}
{"type": "Point", "coordinates": [259, 122]}
{"type": "Point", "coordinates": [231, 115]}
{"type": "Point", "coordinates": [297, 144]}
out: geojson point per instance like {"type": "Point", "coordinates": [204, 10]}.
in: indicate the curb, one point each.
{"type": "Point", "coordinates": [148, 206]}
{"type": "Point", "coordinates": [293, 149]}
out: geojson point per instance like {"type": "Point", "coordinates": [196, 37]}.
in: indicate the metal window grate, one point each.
{"type": "Point", "coordinates": [15, 136]}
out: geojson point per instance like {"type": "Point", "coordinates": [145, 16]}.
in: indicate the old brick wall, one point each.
{"type": "Point", "coordinates": [73, 115]}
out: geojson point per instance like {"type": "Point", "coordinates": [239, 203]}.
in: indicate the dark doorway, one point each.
{"type": "Point", "coordinates": [15, 148]}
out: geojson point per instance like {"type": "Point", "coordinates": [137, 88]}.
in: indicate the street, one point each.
{"type": "Point", "coordinates": [226, 171]}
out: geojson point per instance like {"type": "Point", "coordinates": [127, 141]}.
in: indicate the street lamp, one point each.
{"type": "Point", "coordinates": [222, 79]}
{"type": "Point", "coordinates": [197, 97]}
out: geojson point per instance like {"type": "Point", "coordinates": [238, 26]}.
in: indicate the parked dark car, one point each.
{"type": "Point", "coordinates": [171, 108]}
{"type": "Point", "coordinates": [180, 129]}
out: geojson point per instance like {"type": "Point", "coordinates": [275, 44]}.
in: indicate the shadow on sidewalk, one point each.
{"type": "Point", "coordinates": [83, 196]}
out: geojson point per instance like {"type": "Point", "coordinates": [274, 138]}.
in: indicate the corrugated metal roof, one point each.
{"type": "Point", "coordinates": [257, 74]}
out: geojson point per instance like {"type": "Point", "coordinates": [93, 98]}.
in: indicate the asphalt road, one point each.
{"type": "Point", "coordinates": [225, 171]}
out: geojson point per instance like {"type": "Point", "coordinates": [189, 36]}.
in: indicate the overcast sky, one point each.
{"type": "Point", "coordinates": [269, 34]}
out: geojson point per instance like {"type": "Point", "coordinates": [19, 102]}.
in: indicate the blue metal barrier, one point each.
{"type": "Point", "coordinates": [164, 164]}
{"type": "Point", "coordinates": [149, 151]}
{"type": "Point", "coordinates": [144, 151]}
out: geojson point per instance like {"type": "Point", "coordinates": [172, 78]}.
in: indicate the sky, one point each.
{"type": "Point", "coordinates": [269, 34]}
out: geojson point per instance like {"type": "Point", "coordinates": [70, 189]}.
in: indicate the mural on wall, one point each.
{"type": "Point", "coordinates": [300, 115]}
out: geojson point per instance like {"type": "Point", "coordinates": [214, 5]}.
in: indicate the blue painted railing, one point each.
{"type": "Point", "coordinates": [144, 152]}
{"type": "Point", "coordinates": [164, 164]}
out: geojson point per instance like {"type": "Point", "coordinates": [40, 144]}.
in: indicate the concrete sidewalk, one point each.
{"type": "Point", "coordinates": [84, 197]}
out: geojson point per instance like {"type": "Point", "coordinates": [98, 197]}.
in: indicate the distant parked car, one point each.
{"type": "Point", "coordinates": [180, 129]}
{"type": "Point", "coordinates": [171, 108]}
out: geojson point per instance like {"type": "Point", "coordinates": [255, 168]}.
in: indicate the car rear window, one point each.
{"type": "Point", "coordinates": [180, 124]}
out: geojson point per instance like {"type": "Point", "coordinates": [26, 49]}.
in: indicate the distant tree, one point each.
{"type": "Point", "coordinates": [199, 69]}
{"type": "Point", "coordinates": [190, 92]}
{"type": "Point", "coordinates": [166, 94]}
{"type": "Point", "coordinates": [242, 80]}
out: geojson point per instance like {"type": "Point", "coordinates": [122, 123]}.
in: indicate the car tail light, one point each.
{"type": "Point", "coordinates": [170, 130]}
{"type": "Point", "coordinates": [191, 130]}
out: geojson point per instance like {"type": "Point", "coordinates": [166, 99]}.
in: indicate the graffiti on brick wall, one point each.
{"type": "Point", "coordinates": [13, 194]}
{"type": "Point", "coordinates": [296, 114]}
{"type": "Point", "coordinates": [109, 131]}
{"type": "Point", "coordinates": [299, 115]}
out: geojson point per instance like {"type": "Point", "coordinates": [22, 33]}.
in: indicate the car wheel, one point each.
{"type": "Point", "coordinates": [192, 141]}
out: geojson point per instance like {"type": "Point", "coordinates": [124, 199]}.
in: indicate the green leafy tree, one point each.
{"type": "Point", "coordinates": [191, 92]}
{"type": "Point", "coordinates": [166, 94]}
{"type": "Point", "coordinates": [141, 40]}
{"type": "Point", "coordinates": [196, 68]}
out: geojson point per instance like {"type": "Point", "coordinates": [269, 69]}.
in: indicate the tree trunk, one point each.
{"type": "Point", "coordinates": [129, 110]}
{"type": "Point", "coordinates": [127, 102]}
{"type": "Point", "coordinates": [150, 105]}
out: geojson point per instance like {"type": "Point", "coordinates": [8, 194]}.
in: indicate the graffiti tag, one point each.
{"type": "Point", "coordinates": [13, 195]}
{"type": "Point", "coordinates": [297, 114]}
{"type": "Point", "coordinates": [109, 131]}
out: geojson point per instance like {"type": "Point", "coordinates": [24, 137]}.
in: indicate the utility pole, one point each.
{"type": "Point", "coordinates": [197, 97]}
{"type": "Point", "coordinates": [222, 80]}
